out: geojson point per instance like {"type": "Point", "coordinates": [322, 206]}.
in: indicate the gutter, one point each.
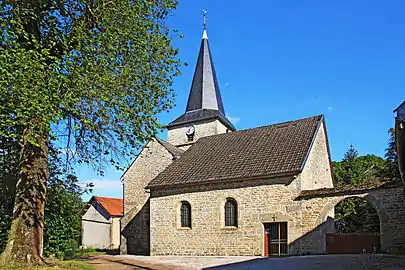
{"type": "Point", "coordinates": [224, 180]}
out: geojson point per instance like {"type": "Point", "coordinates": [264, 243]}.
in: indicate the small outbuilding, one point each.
{"type": "Point", "coordinates": [101, 223]}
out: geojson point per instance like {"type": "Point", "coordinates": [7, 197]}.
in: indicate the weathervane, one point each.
{"type": "Point", "coordinates": [205, 18]}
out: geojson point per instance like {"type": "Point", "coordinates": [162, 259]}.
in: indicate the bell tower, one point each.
{"type": "Point", "coordinates": [205, 114]}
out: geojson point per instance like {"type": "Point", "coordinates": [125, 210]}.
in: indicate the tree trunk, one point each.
{"type": "Point", "coordinates": [25, 243]}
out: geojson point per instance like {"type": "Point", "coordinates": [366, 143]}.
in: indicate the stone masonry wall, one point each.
{"type": "Point", "coordinates": [317, 171]}
{"type": "Point", "coordinates": [259, 201]}
{"type": "Point", "coordinates": [177, 135]}
{"type": "Point", "coordinates": [389, 204]}
{"type": "Point", "coordinates": [153, 159]}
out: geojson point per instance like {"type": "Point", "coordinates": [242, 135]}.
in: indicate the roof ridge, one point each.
{"type": "Point", "coordinates": [175, 151]}
{"type": "Point", "coordinates": [266, 126]}
{"type": "Point", "coordinates": [113, 206]}
{"type": "Point", "coordinates": [107, 197]}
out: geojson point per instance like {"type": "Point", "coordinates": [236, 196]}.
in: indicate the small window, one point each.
{"type": "Point", "coordinates": [231, 213]}
{"type": "Point", "coordinates": [185, 214]}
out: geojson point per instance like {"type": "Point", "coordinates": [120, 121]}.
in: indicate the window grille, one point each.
{"type": "Point", "coordinates": [185, 215]}
{"type": "Point", "coordinates": [231, 213]}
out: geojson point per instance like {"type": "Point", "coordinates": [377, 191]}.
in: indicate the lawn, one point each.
{"type": "Point", "coordinates": [73, 262]}
{"type": "Point", "coordinates": [74, 265]}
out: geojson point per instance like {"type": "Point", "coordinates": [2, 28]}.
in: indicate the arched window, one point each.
{"type": "Point", "coordinates": [185, 214]}
{"type": "Point", "coordinates": [231, 212]}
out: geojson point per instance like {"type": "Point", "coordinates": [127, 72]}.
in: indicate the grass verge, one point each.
{"type": "Point", "coordinates": [73, 265]}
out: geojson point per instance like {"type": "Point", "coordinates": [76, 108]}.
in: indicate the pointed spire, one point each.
{"type": "Point", "coordinates": [205, 93]}
{"type": "Point", "coordinates": [205, 36]}
{"type": "Point", "coordinates": [204, 100]}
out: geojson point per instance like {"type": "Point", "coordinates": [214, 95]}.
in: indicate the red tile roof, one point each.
{"type": "Point", "coordinates": [114, 206]}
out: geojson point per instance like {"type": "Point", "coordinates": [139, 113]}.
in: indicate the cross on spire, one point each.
{"type": "Point", "coordinates": [205, 19]}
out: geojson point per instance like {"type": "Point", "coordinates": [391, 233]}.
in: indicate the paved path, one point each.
{"type": "Point", "coordinates": [109, 262]}
{"type": "Point", "coordinates": [321, 262]}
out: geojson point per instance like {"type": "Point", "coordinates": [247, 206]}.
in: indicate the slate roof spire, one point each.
{"type": "Point", "coordinates": [204, 100]}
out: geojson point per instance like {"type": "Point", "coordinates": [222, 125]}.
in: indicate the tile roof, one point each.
{"type": "Point", "coordinates": [279, 149]}
{"type": "Point", "coordinates": [176, 152]}
{"type": "Point", "coordinates": [114, 206]}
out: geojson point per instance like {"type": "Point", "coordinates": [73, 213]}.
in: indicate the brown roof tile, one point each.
{"type": "Point", "coordinates": [274, 150]}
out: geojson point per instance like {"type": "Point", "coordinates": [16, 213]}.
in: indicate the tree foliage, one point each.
{"type": "Point", "coordinates": [89, 76]}
{"type": "Point", "coordinates": [391, 156]}
{"type": "Point", "coordinates": [355, 214]}
{"type": "Point", "coordinates": [357, 170]}
{"type": "Point", "coordinates": [93, 73]}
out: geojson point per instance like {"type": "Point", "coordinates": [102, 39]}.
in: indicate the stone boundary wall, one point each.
{"type": "Point", "coordinates": [388, 202]}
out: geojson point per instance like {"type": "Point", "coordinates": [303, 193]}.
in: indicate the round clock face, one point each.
{"type": "Point", "coordinates": [190, 130]}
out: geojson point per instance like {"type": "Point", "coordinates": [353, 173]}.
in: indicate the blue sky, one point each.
{"type": "Point", "coordinates": [284, 60]}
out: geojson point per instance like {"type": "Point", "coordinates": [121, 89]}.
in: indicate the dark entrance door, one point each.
{"type": "Point", "coordinates": [275, 239]}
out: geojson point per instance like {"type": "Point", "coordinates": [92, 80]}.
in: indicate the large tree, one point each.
{"type": "Point", "coordinates": [89, 74]}
{"type": "Point", "coordinates": [62, 223]}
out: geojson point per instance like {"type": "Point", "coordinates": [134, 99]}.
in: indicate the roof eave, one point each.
{"type": "Point", "coordinates": [403, 103]}
{"type": "Point", "coordinates": [226, 123]}
{"type": "Point", "coordinates": [236, 179]}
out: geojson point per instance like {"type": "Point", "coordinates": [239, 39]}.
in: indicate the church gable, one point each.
{"type": "Point", "coordinates": [153, 159]}
{"type": "Point", "coordinates": [317, 171]}
{"type": "Point", "coordinates": [269, 151]}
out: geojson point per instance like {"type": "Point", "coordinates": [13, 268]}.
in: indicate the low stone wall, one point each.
{"type": "Point", "coordinates": [389, 203]}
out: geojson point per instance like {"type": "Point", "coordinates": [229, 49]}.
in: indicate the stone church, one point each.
{"type": "Point", "coordinates": [213, 190]}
